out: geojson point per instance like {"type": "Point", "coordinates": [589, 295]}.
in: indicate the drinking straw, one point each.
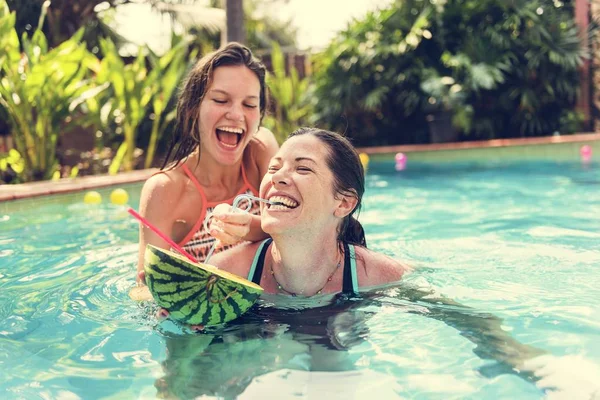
{"type": "Point", "coordinates": [162, 235]}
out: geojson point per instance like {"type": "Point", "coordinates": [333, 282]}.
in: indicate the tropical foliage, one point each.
{"type": "Point", "coordinates": [167, 73]}
{"type": "Point", "coordinates": [503, 68]}
{"type": "Point", "coordinates": [289, 94]}
{"type": "Point", "coordinates": [63, 18]}
{"type": "Point", "coordinates": [491, 68]}
{"type": "Point", "coordinates": [48, 90]}
{"type": "Point", "coordinates": [131, 90]}
{"type": "Point", "coordinates": [37, 88]}
{"type": "Point", "coordinates": [11, 167]}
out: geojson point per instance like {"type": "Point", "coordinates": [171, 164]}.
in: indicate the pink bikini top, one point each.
{"type": "Point", "coordinates": [198, 241]}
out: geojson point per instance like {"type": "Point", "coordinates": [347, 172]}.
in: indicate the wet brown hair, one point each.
{"type": "Point", "coordinates": [348, 178]}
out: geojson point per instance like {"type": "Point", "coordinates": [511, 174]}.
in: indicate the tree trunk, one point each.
{"type": "Point", "coordinates": [595, 11]}
{"type": "Point", "coordinates": [236, 31]}
{"type": "Point", "coordinates": [583, 8]}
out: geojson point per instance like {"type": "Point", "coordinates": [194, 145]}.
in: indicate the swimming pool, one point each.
{"type": "Point", "coordinates": [517, 240]}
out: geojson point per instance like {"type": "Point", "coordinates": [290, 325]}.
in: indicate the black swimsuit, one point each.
{"type": "Point", "coordinates": [350, 285]}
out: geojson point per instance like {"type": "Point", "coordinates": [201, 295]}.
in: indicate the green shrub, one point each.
{"type": "Point", "coordinates": [503, 69]}
{"type": "Point", "coordinates": [289, 97]}
{"type": "Point", "coordinates": [38, 88]}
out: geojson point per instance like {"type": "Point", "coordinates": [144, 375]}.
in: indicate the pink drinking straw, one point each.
{"type": "Point", "coordinates": [162, 235]}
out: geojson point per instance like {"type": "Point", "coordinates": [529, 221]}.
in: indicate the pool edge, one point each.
{"type": "Point", "coordinates": [482, 144]}
{"type": "Point", "coordinates": [69, 185]}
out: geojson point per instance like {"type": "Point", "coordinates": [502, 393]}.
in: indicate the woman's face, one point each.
{"type": "Point", "coordinates": [299, 177]}
{"type": "Point", "coordinates": [229, 113]}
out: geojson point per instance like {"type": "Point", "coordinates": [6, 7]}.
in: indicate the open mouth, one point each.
{"type": "Point", "coordinates": [282, 203]}
{"type": "Point", "coordinates": [229, 137]}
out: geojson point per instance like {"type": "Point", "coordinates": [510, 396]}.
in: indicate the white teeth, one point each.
{"type": "Point", "coordinates": [239, 131]}
{"type": "Point", "coordinates": [278, 207]}
{"type": "Point", "coordinates": [286, 201]}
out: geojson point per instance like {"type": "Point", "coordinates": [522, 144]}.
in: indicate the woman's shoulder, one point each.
{"type": "Point", "coordinates": [258, 154]}
{"type": "Point", "coordinates": [165, 183]}
{"type": "Point", "coordinates": [264, 139]}
{"type": "Point", "coordinates": [263, 145]}
{"type": "Point", "coordinates": [376, 268]}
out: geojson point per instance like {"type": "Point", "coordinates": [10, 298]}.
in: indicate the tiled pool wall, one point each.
{"type": "Point", "coordinates": [562, 148]}
{"type": "Point", "coordinates": [71, 185]}
{"type": "Point", "coordinates": [133, 190]}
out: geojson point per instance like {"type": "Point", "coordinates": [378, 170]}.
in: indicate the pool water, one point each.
{"type": "Point", "coordinates": [517, 245]}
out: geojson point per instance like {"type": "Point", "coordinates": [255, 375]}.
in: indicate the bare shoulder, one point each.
{"type": "Point", "coordinates": [260, 150]}
{"type": "Point", "coordinates": [237, 259]}
{"type": "Point", "coordinates": [163, 183]}
{"type": "Point", "coordinates": [161, 192]}
{"type": "Point", "coordinates": [377, 269]}
{"type": "Point", "coordinates": [263, 146]}
{"type": "Point", "coordinates": [265, 139]}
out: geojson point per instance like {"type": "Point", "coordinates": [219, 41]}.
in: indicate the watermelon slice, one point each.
{"type": "Point", "coordinates": [196, 294]}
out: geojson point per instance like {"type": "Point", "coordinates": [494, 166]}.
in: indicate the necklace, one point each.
{"type": "Point", "coordinates": [282, 289]}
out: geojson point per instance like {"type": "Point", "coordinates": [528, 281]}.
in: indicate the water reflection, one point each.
{"type": "Point", "coordinates": [271, 338]}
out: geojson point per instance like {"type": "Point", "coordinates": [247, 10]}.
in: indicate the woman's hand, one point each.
{"type": "Point", "coordinates": [229, 226]}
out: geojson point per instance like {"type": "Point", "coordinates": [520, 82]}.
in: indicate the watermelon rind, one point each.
{"type": "Point", "coordinates": [196, 293]}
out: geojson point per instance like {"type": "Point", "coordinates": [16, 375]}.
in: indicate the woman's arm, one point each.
{"type": "Point", "coordinates": [568, 376]}
{"type": "Point", "coordinates": [157, 202]}
{"type": "Point", "coordinates": [482, 328]}
{"type": "Point", "coordinates": [376, 269]}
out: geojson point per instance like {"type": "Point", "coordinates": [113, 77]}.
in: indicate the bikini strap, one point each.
{"type": "Point", "coordinates": [192, 178]}
{"type": "Point", "coordinates": [350, 283]}
{"type": "Point", "coordinates": [246, 182]}
{"type": "Point", "coordinates": [256, 269]}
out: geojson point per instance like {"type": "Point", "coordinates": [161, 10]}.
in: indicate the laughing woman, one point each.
{"type": "Point", "coordinates": [316, 244]}
{"type": "Point", "coordinates": [318, 247]}
{"type": "Point", "coordinates": [219, 151]}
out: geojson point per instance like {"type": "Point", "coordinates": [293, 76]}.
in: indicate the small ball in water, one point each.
{"type": "Point", "coordinates": [364, 160]}
{"type": "Point", "coordinates": [119, 197]}
{"type": "Point", "coordinates": [585, 152]}
{"type": "Point", "coordinates": [92, 197]}
{"type": "Point", "coordinates": [400, 161]}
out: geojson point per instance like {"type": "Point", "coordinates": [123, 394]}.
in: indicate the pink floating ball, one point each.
{"type": "Point", "coordinates": [400, 157]}
{"type": "Point", "coordinates": [400, 161]}
{"type": "Point", "coordinates": [586, 152]}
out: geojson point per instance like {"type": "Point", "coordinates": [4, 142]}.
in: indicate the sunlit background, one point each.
{"type": "Point", "coordinates": [384, 72]}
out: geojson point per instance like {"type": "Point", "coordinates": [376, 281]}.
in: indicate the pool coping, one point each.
{"type": "Point", "coordinates": [69, 185]}
{"type": "Point", "coordinates": [494, 143]}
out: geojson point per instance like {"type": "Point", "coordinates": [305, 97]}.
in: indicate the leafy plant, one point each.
{"type": "Point", "coordinates": [289, 94]}
{"type": "Point", "coordinates": [505, 69]}
{"type": "Point", "coordinates": [64, 18]}
{"type": "Point", "coordinates": [167, 73]}
{"type": "Point", "coordinates": [37, 87]}
{"type": "Point", "coordinates": [130, 91]}
{"type": "Point", "coordinates": [12, 166]}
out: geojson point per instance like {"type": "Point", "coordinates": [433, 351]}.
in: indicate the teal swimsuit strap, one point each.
{"type": "Point", "coordinates": [350, 284]}
{"type": "Point", "coordinates": [256, 268]}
